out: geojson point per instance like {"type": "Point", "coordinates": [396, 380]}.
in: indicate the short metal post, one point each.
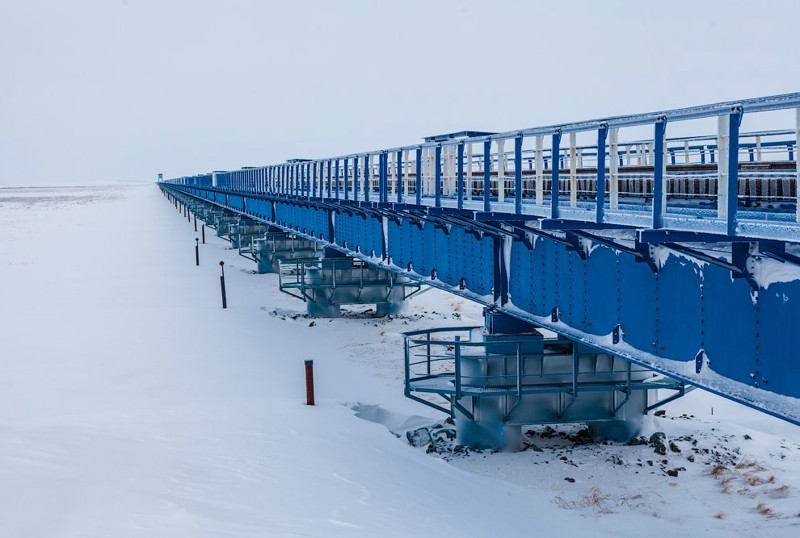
{"type": "Point", "coordinates": [309, 382]}
{"type": "Point", "coordinates": [203, 230]}
{"type": "Point", "coordinates": [222, 285]}
{"type": "Point", "coordinates": [195, 222]}
{"type": "Point", "coordinates": [196, 251]}
{"type": "Point", "coordinates": [457, 350]}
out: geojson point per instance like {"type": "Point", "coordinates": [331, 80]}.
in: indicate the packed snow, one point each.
{"type": "Point", "coordinates": [132, 404]}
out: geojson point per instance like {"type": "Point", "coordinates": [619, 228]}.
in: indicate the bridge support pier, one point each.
{"type": "Point", "coordinates": [243, 233]}
{"type": "Point", "coordinates": [514, 374]}
{"type": "Point", "coordinates": [335, 280]}
{"type": "Point", "coordinates": [276, 246]}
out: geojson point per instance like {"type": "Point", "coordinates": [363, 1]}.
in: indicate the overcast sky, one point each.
{"type": "Point", "coordinates": [114, 90]}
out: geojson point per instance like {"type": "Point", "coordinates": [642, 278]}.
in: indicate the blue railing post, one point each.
{"type": "Point", "coordinates": [400, 183]}
{"type": "Point", "coordinates": [733, 170]}
{"type": "Point", "coordinates": [366, 177]}
{"type": "Point", "coordinates": [355, 177]}
{"type": "Point", "coordinates": [383, 159]}
{"type": "Point", "coordinates": [518, 174]}
{"type": "Point", "coordinates": [336, 175]}
{"type": "Point", "coordinates": [602, 133]}
{"type": "Point", "coordinates": [438, 175]}
{"type": "Point", "coordinates": [659, 189]}
{"type": "Point", "coordinates": [556, 165]}
{"type": "Point", "coordinates": [418, 176]}
{"type": "Point", "coordinates": [460, 175]}
{"type": "Point", "coordinates": [487, 175]}
{"type": "Point", "coordinates": [346, 178]}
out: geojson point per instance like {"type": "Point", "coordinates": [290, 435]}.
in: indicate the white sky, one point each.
{"type": "Point", "coordinates": [102, 91]}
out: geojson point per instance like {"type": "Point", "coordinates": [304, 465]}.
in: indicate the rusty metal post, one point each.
{"type": "Point", "coordinates": [196, 251]}
{"type": "Point", "coordinates": [309, 382]}
{"type": "Point", "coordinates": [203, 229]}
{"type": "Point", "coordinates": [222, 286]}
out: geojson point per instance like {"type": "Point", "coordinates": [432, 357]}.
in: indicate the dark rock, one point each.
{"type": "Point", "coordinates": [747, 437]}
{"type": "Point", "coordinates": [570, 480]}
{"type": "Point", "coordinates": [660, 413]}
{"type": "Point", "coordinates": [657, 442]}
{"type": "Point", "coordinates": [419, 437]}
{"type": "Point", "coordinates": [672, 472]}
{"type": "Point", "coordinates": [443, 434]}
{"type": "Point", "coordinates": [674, 447]}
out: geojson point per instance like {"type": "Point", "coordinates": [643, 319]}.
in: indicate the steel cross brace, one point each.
{"type": "Point", "coordinates": [740, 249]}
{"type": "Point", "coordinates": [569, 225]}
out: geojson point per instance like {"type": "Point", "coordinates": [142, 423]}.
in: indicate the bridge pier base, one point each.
{"type": "Point", "coordinates": [328, 283]}
{"type": "Point", "coordinates": [514, 374]}
{"type": "Point", "coordinates": [276, 246]}
{"type": "Point", "coordinates": [243, 233]}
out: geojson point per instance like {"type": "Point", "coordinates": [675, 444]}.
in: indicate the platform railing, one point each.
{"type": "Point", "coordinates": [434, 364]}
{"type": "Point", "coordinates": [295, 277]}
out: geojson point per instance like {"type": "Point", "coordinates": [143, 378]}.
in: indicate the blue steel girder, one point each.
{"type": "Point", "coordinates": [664, 319]}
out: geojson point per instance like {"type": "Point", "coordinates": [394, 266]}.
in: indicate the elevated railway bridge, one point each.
{"type": "Point", "coordinates": [673, 255]}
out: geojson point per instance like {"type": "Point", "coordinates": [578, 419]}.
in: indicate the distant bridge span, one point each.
{"type": "Point", "coordinates": [680, 254]}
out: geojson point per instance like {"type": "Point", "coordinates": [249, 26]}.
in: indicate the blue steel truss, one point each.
{"type": "Point", "coordinates": [672, 253]}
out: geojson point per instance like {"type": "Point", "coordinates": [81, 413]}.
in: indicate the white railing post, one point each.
{"type": "Point", "coordinates": [613, 169]}
{"type": "Point", "coordinates": [758, 148]}
{"type": "Point", "coordinates": [686, 150]}
{"type": "Point", "coordinates": [797, 158]}
{"type": "Point", "coordinates": [573, 175]}
{"type": "Point", "coordinates": [540, 170]}
{"type": "Point", "coordinates": [406, 177]}
{"type": "Point", "coordinates": [501, 171]}
{"type": "Point", "coordinates": [723, 141]}
{"type": "Point", "coordinates": [429, 181]}
{"type": "Point", "coordinates": [450, 171]}
{"type": "Point", "coordinates": [468, 173]}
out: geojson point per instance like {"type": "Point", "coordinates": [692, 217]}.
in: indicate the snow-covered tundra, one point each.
{"type": "Point", "coordinates": [131, 404]}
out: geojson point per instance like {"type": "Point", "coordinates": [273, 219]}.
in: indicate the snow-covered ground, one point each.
{"type": "Point", "coordinates": [132, 404]}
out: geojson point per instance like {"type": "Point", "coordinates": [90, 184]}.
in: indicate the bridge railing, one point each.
{"type": "Point", "coordinates": [585, 171]}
